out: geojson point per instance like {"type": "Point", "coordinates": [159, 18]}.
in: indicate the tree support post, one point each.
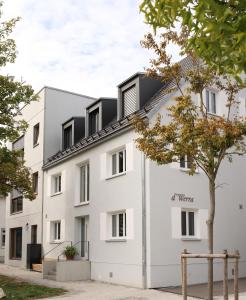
{"type": "Point", "coordinates": [184, 275]}
{"type": "Point", "coordinates": [225, 283]}
{"type": "Point", "coordinates": [237, 255]}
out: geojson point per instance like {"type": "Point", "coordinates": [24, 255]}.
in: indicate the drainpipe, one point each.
{"type": "Point", "coordinates": [144, 238]}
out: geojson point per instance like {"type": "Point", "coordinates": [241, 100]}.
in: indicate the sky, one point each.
{"type": "Point", "coordinates": [84, 46]}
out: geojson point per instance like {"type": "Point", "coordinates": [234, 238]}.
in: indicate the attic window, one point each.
{"type": "Point", "coordinates": [129, 101]}
{"type": "Point", "coordinates": [67, 136]}
{"type": "Point", "coordinates": [94, 121]}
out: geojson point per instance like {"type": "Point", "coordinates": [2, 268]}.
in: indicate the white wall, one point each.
{"type": "Point", "coordinates": [53, 108]}
{"type": "Point", "coordinates": [164, 225]}
{"type": "Point", "coordinates": [121, 259]}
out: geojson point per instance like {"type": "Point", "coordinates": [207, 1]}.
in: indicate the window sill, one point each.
{"type": "Point", "coordinates": [188, 170]}
{"type": "Point", "coordinates": [190, 239]}
{"type": "Point", "coordinates": [56, 242]}
{"type": "Point", "coordinates": [15, 258]}
{"type": "Point", "coordinates": [115, 240]}
{"type": "Point", "coordinates": [52, 195]}
{"type": "Point", "coordinates": [16, 213]}
{"type": "Point", "coordinates": [116, 175]}
{"type": "Point", "coordinates": [82, 204]}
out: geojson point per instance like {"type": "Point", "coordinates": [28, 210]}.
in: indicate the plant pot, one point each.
{"type": "Point", "coordinates": [69, 257]}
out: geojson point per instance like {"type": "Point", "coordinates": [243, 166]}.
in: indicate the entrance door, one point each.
{"type": "Point", "coordinates": [84, 237]}
{"type": "Point", "coordinates": [16, 243]}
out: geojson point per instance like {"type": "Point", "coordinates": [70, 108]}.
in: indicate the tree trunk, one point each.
{"type": "Point", "coordinates": [210, 225]}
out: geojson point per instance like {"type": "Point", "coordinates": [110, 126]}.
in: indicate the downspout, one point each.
{"type": "Point", "coordinates": [144, 238]}
{"type": "Point", "coordinates": [44, 144]}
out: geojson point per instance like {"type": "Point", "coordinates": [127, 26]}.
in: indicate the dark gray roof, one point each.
{"type": "Point", "coordinates": [117, 126]}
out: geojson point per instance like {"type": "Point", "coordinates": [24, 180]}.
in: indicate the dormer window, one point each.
{"type": "Point", "coordinates": [94, 121]}
{"type": "Point", "coordinates": [67, 135]}
{"type": "Point", "coordinates": [129, 100]}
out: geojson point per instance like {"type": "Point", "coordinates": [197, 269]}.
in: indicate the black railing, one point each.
{"type": "Point", "coordinates": [83, 249]}
{"type": "Point", "coordinates": [59, 244]}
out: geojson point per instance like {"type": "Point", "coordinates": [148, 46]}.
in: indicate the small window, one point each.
{"type": "Point", "coordinates": [35, 182]}
{"type": "Point", "coordinates": [16, 204]}
{"type": "Point", "coordinates": [3, 237]}
{"type": "Point", "coordinates": [211, 102]}
{"type": "Point", "coordinates": [84, 183]}
{"type": "Point", "coordinates": [57, 231]}
{"type": "Point", "coordinates": [67, 137]}
{"type": "Point", "coordinates": [118, 162]}
{"type": "Point", "coordinates": [56, 184]}
{"type": "Point", "coordinates": [185, 162]}
{"type": "Point", "coordinates": [35, 135]}
{"type": "Point", "coordinates": [187, 223]}
{"type": "Point", "coordinates": [94, 121]}
{"type": "Point", "coordinates": [119, 225]}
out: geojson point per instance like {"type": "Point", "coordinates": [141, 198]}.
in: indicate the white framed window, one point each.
{"type": "Point", "coordinates": [188, 223]}
{"type": "Point", "coordinates": [211, 102]}
{"type": "Point", "coordinates": [35, 182]}
{"type": "Point", "coordinates": [84, 183]}
{"type": "Point", "coordinates": [118, 222]}
{"type": "Point", "coordinates": [56, 227]}
{"type": "Point", "coordinates": [185, 162]}
{"type": "Point", "coordinates": [3, 237]}
{"type": "Point", "coordinates": [35, 135]}
{"type": "Point", "coordinates": [56, 184]}
{"type": "Point", "coordinates": [118, 162]}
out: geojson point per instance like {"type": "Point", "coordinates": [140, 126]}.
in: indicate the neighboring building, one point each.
{"type": "Point", "coordinates": [42, 139]}
{"type": "Point", "coordinates": [2, 228]}
{"type": "Point", "coordinates": [128, 216]}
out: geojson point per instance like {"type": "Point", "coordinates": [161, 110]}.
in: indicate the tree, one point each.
{"type": "Point", "coordinates": [13, 95]}
{"type": "Point", "coordinates": [214, 29]}
{"type": "Point", "coordinates": [192, 132]}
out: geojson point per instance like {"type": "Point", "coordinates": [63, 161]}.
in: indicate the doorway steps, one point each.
{"type": "Point", "coordinates": [37, 268]}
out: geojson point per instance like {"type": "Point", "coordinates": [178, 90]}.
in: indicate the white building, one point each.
{"type": "Point", "coordinates": [129, 217]}
{"type": "Point", "coordinates": [2, 229]}
{"type": "Point", "coordinates": [43, 138]}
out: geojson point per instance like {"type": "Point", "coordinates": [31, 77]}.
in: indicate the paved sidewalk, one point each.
{"type": "Point", "coordinates": [89, 290]}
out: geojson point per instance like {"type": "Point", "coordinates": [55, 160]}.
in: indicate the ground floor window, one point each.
{"type": "Point", "coordinates": [34, 231]}
{"type": "Point", "coordinates": [119, 225]}
{"type": "Point", "coordinates": [16, 243]}
{"type": "Point", "coordinates": [2, 237]}
{"type": "Point", "coordinates": [187, 223]}
{"type": "Point", "coordinates": [56, 231]}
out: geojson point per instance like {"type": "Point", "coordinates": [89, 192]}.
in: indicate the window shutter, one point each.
{"type": "Point", "coordinates": [129, 101]}
{"type": "Point", "coordinates": [202, 216]}
{"type": "Point", "coordinates": [48, 233]}
{"type": "Point", "coordinates": [63, 230]}
{"type": "Point", "coordinates": [103, 166]}
{"type": "Point", "coordinates": [103, 226]}
{"type": "Point", "coordinates": [129, 156]}
{"type": "Point", "coordinates": [176, 222]}
{"type": "Point", "coordinates": [129, 224]}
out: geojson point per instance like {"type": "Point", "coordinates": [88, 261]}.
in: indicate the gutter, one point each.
{"type": "Point", "coordinates": [144, 231]}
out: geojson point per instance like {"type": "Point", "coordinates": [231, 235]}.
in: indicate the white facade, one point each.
{"type": "Point", "coordinates": [2, 228]}
{"type": "Point", "coordinates": [125, 214]}
{"type": "Point", "coordinates": [50, 111]}
{"type": "Point", "coordinates": [152, 197]}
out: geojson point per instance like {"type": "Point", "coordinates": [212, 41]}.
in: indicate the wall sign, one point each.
{"type": "Point", "coordinates": [181, 198]}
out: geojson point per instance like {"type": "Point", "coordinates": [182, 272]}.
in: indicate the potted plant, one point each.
{"type": "Point", "coordinates": [70, 252]}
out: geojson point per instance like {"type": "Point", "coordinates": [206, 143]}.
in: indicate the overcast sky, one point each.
{"type": "Point", "coordinates": [85, 46]}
